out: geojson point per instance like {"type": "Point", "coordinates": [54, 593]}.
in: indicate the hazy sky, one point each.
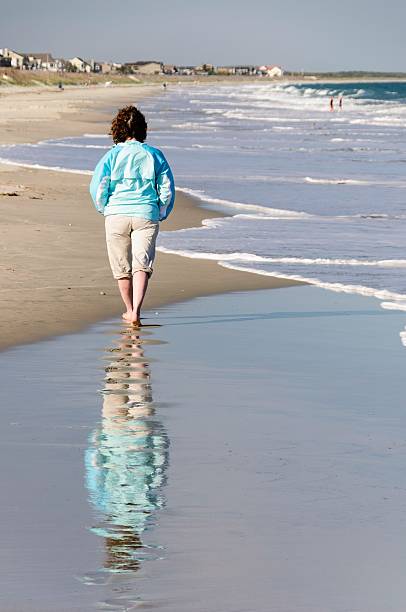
{"type": "Point", "coordinates": [306, 34]}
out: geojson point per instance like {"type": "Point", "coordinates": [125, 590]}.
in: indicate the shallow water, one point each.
{"type": "Point", "coordinates": [246, 456]}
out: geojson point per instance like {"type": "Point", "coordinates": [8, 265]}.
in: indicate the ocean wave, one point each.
{"type": "Point", "coordinates": [195, 126]}
{"type": "Point", "coordinates": [325, 181]}
{"type": "Point", "coordinates": [400, 305]}
{"type": "Point", "coordinates": [250, 117]}
{"type": "Point", "coordinates": [72, 145]}
{"type": "Point", "coordinates": [249, 257]}
{"type": "Point", "coordinates": [93, 136]}
{"type": "Point", "coordinates": [380, 294]}
{"type": "Point", "coordinates": [388, 120]}
{"type": "Point", "coordinates": [42, 167]}
{"type": "Point", "coordinates": [354, 182]}
{"type": "Point", "coordinates": [390, 299]}
{"type": "Point", "coordinates": [265, 210]}
{"type": "Point", "coordinates": [305, 261]}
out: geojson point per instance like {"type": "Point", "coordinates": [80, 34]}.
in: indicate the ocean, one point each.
{"type": "Point", "coordinates": [309, 194]}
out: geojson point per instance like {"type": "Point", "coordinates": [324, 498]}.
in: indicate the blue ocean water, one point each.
{"type": "Point", "coordinates": [311, 194]}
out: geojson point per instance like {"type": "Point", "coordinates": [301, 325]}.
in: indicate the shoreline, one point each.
{"type": "Point", "coordinates": [55, 273]}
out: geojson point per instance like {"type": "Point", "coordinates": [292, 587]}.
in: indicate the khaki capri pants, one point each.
{"type": "Point", "coordinates": [130, 244]}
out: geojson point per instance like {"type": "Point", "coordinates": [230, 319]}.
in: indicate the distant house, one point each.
{"type": "Point", "coordinates": [169, 69]}
{"type": "Point", "coordinates": [109, 67]}
{"type": "Point", "coordinates": [186, 70]}
{"type": "Point", "coordinates": [151, 67]}
{"type": "Point", "coordinates": [106, 68]}
{"type": "Point", "coordinates": [80, 64]}
{"type": "Point", "coordinates": [204, 69]}
{"type": "Point", "coordinates": [271, 71]}
{"type": "Point", "coordinates": [44, 61]}
{"type": "Point", "coordinates": [245, 70]}
{"type": "Point", "coordinates": [240, 70]}
{"type": "Point", "coordinates": [17, 60]}
{"type": "Point", "coordinates": [225, 70]}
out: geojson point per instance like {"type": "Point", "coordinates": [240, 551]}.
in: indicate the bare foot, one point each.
{"type": "Point", "coordinates": [127, 316]}
{"type": "Point", "coordinates": [136, 322]}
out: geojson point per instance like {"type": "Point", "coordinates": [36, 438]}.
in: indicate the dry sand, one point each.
{"type": "Point", "coordinates": [54, 271]}
{"type": "Point", "coordinates": [29, 114]}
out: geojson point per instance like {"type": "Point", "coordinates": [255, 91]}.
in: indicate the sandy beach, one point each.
{"type": "Point", "coordinates": [54, 271]}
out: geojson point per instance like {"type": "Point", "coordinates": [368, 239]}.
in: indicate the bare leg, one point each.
{"type": "Point", "coordinates": [140, 284]}
{"type": "Point", "coordinates": [125, 286]}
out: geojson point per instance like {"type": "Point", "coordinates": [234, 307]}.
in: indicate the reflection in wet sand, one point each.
{"type": "Point", "coordinates": [127, 458]}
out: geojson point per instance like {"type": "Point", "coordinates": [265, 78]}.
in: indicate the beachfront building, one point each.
{"type": "Point", "coordinates": [80, 65]}
{"type": "Point", "coordinates": [245, 70]}
{"type": "Point", "coordinates": [240, 70]}
{"type": "Point", "coordinates": [169, 69]}
{"type": "Point", "coordinates": [17, 60]}
{"type": "Point", "coordinates": [225, 70]}
{"type": "Point", "coordinates": [109, 67]}
{"type": "Point", "coordinates": [142, 67]}
{"type": "Point", "coordinates": [186, 70]}
{"type": "Point", "coordinates": [44, 61]}
{"type": "Point", "coordinates": [271, 71]}
{"type": "Point", "coordinates": [204, 69]}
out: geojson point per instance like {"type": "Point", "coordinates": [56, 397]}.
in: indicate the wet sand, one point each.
{"type": "Point", "coordinates": [247, 456]}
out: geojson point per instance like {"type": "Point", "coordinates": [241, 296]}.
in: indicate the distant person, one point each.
{"type": "Point", "coordinates": [340, 103]}
{"type": "Point", "coordinates": [133, 187]}
{"type": "Point", "coordinates": [164, 85]}
{"type": "Point", "coordinates": [331, 104]}
{"type": "Point", "coordinates": [60, 86]}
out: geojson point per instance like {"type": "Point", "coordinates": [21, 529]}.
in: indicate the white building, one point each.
{"type": "Point", "coordinates": [271, 71]}
{"type": "Point", "coordinates": [44, 61]}
{"type": "Point", "coordinates": [80, 64]}
{"type": "Point", "coordinates": [18, 60]}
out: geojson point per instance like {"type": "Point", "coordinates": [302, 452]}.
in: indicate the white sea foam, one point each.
{"type": "Point", "coordinates": [265, 210]}
{"type": "Point", "coordinates": [194, 126]}
{"type": "Point", "coordinates": [380, 294]}
{"type": "Point", "coordinates": [353, 182]}
{"type": "Point", "coordinates": [399, 305]}
{"type": "Point", "coordinates": [305, 261]}
{"type": "Point", "coordinates": [249, 257]}
{"type": "Point", "coordinates": [326, 181]}
{"type": "Point", "coordinates": [93, 136]}
{"type": "Point", "coordinates": [42, 167]}
{"type": "Point", "coordinates": [74, 146]}
{"type": "Point", "coordinates": [392, 300]}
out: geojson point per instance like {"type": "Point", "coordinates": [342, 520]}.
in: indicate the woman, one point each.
{"type": "Point", "coordinates": [133, 187]}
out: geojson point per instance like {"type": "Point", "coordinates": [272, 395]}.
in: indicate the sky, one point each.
{"type": "Point", "coordinates": [310, 35]}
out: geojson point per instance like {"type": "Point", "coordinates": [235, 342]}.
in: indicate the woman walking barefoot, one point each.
{"type": "Point", "coordinates": [133, 187]}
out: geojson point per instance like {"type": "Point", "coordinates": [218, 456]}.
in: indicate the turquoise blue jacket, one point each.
{"type": "Point", "coordinates": [133, 179]}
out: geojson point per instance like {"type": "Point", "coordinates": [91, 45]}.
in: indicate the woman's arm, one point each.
{"type": "Point", "coordinates": [100, 183]}
{"type": "Point", "coordinates": [166, 189]}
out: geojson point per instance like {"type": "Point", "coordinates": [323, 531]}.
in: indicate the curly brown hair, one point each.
{"type": "Point", "coordinates": [128, 123]}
